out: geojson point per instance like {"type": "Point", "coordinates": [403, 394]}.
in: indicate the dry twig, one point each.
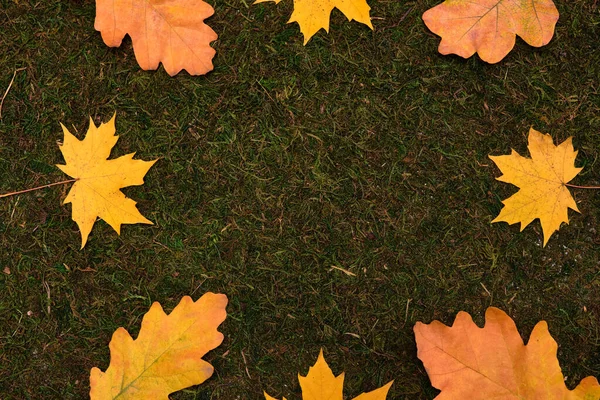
{"type": "Point", "coordinates": [8, 88]}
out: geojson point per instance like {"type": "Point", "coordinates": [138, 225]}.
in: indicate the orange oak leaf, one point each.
{"type": "Point", "coordinates": [542, 181]}
{"type": "Point", "coordinates": [468, 362]}
{"type": "Point", "coordinates": [489, 27]}
{"type": "Point", "coordinates": [321, 384]}
{"type": "Point", "coordinates": [96, 192]}
{"type": "Point", "coordinates": [167, 354]}
{"type": "Point", "coordinates": [169, 31]}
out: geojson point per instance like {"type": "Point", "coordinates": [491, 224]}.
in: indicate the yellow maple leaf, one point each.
{"type": "Point", "coordinates": [167, 354]}
{"type": "Point", "coordinates": [489, 27]}
{"type": "Point", "coordinates": [542, 180]}
{"type": "Point", "coordinates": [320, 384]}
{"type": "Point", "coordinates": [169, 31]}
{"type": "Point", "coordinates": [313, 15]}
{"type": "Point", "coordinates": [468, 362]}
{"type": "Point", "coordinates": [98, 180]}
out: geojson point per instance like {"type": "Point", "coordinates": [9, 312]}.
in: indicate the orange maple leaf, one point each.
{"type": "Point", "coordinates": [167, 354]}
{"type": "Point", "coordinates": [468, 362]}
{"type": "Point", "coordinates": [320, 384]}
{"type": "Point", "coordinates": [489, 27]}
{"type": "Point", "coordinates": [169, 31]}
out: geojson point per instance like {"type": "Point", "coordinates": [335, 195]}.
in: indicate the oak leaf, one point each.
{"type": "Point", "coordinates": [313, 15]}
{"type": "Point", "coordinates": [468, 362]}
{"type": "Point", "coordinates": [169, 31]}
{"type": "Point", "coordinates": [489, 27]}
{"type": "Point", "coordinates": [542, 180]}
{"type": "Point", "coordinates": [95, 192]}
{"type": "Point", "coordinates": [166, 356]}
{"type": "Point", "coordinates": [320, 384]}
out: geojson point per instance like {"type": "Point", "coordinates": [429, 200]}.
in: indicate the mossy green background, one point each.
{"type": "Point", "coordinates": [364, 150]}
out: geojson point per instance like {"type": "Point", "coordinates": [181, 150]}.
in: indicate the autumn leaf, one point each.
{"type": "Point", "coordinates": [313, 15]}
{"type": "Point", "coordinates": [542, 180]}
{"type": "Point", "coordinates": [167, 354]}
{"type": "Point", "coordinates": [169, 31]}
{"type": "Point", "coordinates": [98, 180]}
{"type": "Point", "coordinates": [321, 384]}
{"type": "Point", "coordinates": [489, 27]}
{"type": "Point", "coordinates": [468, 362]}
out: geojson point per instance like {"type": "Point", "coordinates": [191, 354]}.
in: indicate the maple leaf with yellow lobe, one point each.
{"type": "Point", "coordinates": [167, 354]}
{"type": "Point", "coordinates": [542, 180]}
{"type": "Point", "coordinates": [313, 15]}
{"type": "Point", "coordinates": [95, 192]}
{"type": "Point", "coordinates": [468, 362]}
{"type": "Point", "coordinates": [320, 384]}
{"type": "Point", "coordinates": [489, 27]}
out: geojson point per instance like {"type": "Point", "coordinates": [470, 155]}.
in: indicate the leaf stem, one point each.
{"type": "Point", "coordinates": [38, 188]}
{"type": "Point", "coordinates": [582, 187]}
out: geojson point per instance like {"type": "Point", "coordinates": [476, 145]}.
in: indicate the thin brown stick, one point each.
{"type": "Point", "coordinates": [38, 188]}
{"type": "Point", "coordinates": [582, 187]}
{"type": "Point", "coordinates": [246, 365]}
{"type": "Point", "coordinates": [8, 88]}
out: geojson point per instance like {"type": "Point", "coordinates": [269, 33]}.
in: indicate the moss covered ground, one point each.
{"type": "Point", "coordinates": [364, 150]}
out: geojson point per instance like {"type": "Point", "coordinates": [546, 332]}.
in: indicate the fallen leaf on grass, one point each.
{"type": "Point", "coordinates": [321, 384]}
{"type": "Point", "coordinates": [98, 180]}
{"type": "Point", "coordinates": [167, 354]}
{"type": "Point", "coordinates": [169, 31]}
{"type": "Point", "coordinates": [468, 362]}
{"type": "Point", "coordinates": [542, 182]}
{"type": "Point", "coordinates": [313, 15]}
{"type": "Point", "coordinates": [489, 27]}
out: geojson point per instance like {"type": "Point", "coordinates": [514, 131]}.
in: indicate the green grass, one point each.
{"type": "Point", "coordinates": [362, 150]}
